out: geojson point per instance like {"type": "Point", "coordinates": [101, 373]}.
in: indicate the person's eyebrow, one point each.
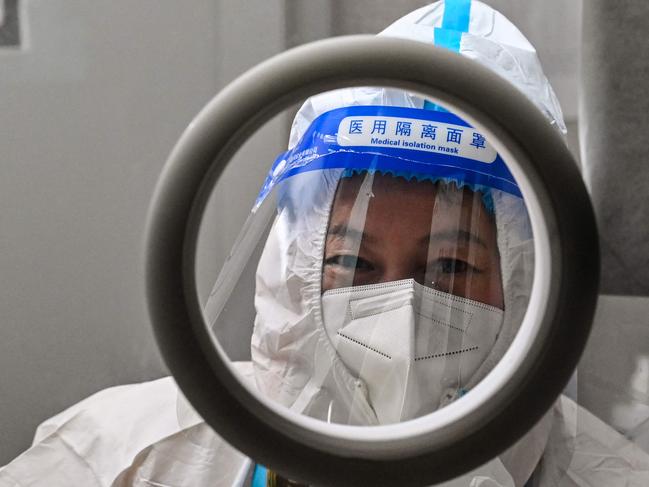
{"type": "Point", "coordinates": [341, 230]}
{"type": "Point", "coordinates": [455, 236]}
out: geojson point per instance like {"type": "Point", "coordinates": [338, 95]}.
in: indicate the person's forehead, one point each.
{"type": "Point", "coordinates": [397, 193]}
{"type": "Point", "coordinates": [386, 183]}
{"type": "Point", "coordinates": [419, 209]}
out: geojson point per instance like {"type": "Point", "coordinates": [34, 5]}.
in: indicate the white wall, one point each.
{"type": "Point", "coordinates": [89, 109]}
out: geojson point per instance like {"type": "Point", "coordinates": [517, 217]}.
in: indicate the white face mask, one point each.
{"type": "Point", "coordinates": [414, 347]}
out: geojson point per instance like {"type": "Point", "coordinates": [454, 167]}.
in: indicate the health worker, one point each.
{"type": "Point", "coordinates": [395, 274]}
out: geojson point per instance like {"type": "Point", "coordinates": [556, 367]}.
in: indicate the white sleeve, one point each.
{"type": "Point", "coordinates": [90, 443]}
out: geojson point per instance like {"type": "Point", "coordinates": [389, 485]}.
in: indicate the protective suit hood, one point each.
{"type": "Point", "coordinates": [293, 358]}
{"type": "Point", "coordinates": [289, 338]}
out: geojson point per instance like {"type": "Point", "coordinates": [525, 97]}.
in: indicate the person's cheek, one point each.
{"type": "Point", "coordinates": [335, 277]}
{"type": "Point", "coordinates": [328, 279]}
{"type": "Point", "coordinates": [492, 288]}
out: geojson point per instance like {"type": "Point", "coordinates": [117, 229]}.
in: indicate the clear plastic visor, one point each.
{"type": "Point", "coordinates": [373, 285]}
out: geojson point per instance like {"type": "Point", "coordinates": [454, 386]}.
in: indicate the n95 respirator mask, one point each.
{"type": "Point", "coordinates": [413, 347]}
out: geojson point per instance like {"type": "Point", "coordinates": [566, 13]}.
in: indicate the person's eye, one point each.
{"type": "Point", "coordinates": [452, 266]}
{"type": "Point", "coordinates": [349, 262]}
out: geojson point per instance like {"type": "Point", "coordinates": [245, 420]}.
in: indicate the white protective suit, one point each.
{"type": "Point", "coordinates": [147, 434]}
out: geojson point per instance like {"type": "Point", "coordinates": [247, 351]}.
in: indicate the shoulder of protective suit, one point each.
{"type": "Point", "coordinates": [91, 442]}
{"type": "Point", "coordinates": [132, 435]}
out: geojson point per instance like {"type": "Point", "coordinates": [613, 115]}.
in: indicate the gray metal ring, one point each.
{"type": "Point", "coordinates": [540, 160]}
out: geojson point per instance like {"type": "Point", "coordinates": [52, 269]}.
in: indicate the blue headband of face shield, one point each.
{"type": "Point", "coordinates": [411, 143]}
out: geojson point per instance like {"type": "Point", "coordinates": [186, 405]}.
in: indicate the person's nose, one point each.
{"type": "Point", "coordinates": [396, 272]}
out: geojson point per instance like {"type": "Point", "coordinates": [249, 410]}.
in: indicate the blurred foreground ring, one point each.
{"type": "Point", "coordinates": [501, 408]}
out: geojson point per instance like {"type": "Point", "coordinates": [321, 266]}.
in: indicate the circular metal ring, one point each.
{"type": "Point", "coordinates": [552, 336]}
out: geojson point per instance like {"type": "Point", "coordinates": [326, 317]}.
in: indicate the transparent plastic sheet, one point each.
{"type": "Point", "coordinates": [380, 211]}
{"type": "Point", "coordinates": [570, 446]}
{"type": "Point", "coordinates": [596, 435]}
{"type": "Point", "coordinates": [319, 298]}
{"type": "Point", "coordinates": [340, 337]}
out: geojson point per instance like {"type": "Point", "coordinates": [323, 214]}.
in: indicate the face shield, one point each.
{"type": "Point", "coordinates": [392, 256]}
